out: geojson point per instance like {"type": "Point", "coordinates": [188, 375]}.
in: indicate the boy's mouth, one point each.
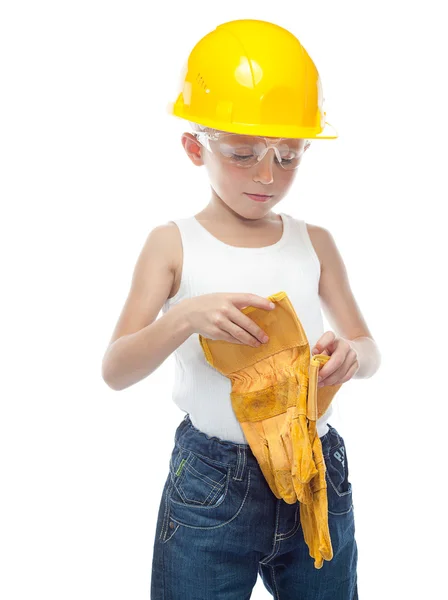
{"type": "Point", "coordinates": [259, 197]}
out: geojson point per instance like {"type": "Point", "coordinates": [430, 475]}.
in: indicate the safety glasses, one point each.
{"type": "Point", "coordinates": [247, 150]}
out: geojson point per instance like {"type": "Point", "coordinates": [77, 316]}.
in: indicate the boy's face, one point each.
{"type": "Point", "coordinates": [232, 183]}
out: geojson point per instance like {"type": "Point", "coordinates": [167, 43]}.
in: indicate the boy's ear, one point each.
{"type": "Point", "coordinates": [193, 148]}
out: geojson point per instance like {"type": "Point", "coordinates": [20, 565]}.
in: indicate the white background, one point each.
{"type": "Point", "coordinates": [91, 162]}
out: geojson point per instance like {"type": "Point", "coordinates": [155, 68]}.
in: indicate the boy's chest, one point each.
{"type": "Point", "coordinates": [266, 240]}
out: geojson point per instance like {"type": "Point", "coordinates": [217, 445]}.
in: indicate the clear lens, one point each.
{"type": "Point", "coordinates": [245, 151]}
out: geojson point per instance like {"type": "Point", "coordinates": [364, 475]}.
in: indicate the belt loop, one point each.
{"type": "Point", "coordinates": [240, 463]}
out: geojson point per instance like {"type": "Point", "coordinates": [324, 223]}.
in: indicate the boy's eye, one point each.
{"type": "Point", "coordinates": [246, 157]}
{"type": "Point", "coordinates": [242, 156]}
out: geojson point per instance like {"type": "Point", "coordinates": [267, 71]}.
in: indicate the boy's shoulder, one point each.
{"type": "Point", "coordinates": [319, 237]}
{"type": "Point", "coordinates": [171, 242]}
{"type": "Point", "coordinates": [164, 241]}
{"type": "Point", "coordinates": [317, 231]}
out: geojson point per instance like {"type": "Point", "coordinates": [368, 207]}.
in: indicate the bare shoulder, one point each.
{"type": "Point", "coordinates": [166, 238]}
{"type": "Point", "coordinates": [162, 243]}
{"type": "Point", "coordinates": [325, 246]}
{"type": "Point", "coordinates": [319, 238]}
{"type": "Point", "coordinates": [175, 252]}
{"type": "Point", "coordinates": [169, 233]}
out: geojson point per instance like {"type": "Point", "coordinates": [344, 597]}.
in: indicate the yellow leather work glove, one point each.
{"type": "Point", "coordinates": [314, 515]}
{"type": "Point", "coordinates": [265, 384]}
{"type": "Point", "coordinates": [281, 428]}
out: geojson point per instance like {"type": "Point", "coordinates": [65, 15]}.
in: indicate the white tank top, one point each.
{"type": "Point", "coordinates": [210, 266]}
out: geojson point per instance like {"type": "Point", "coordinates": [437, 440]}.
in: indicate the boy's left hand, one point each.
{"type": "Point", "coordinates": [343, 363]}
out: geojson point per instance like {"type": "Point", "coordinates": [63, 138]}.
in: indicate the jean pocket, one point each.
{"type": "Point", "coordinates": [339, 488]}
{"type": "Point", "coordinates": [204, 494]}
{"type": "Point", "coordinates": [198, 481]}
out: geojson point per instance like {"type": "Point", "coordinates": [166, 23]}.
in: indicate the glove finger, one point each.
{"type": "Point", "coordinates": [316, 533]}
{"type": "Point", "coordinates": [310, 533]}
{"type": "Point", "coordinates": [303, 491]}
{"type": "Point", "coordinates": [278, 456]}
{"type": "Point", "coordinates": [314, 516]}
{"type": "Point", "coordinates": [254, 434]}
{"type": "Point", "coordinates": [285, 434]}
{"type": "Point", "coordinates": [318, 486]}
{"type": "Point", "coordinates": [320, 504]}
{"type": "Point", "coordinates": [303, 467]}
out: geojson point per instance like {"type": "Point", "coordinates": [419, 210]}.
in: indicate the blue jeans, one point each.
{"type": "Point", "coordinates": [219, 525]}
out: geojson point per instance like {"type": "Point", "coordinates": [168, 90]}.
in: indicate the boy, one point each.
{"type": "Point", "coordinates": [254, 99]}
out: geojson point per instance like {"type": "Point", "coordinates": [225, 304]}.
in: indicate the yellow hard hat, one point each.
{"type": "Point", "coordinates": [253, 77]}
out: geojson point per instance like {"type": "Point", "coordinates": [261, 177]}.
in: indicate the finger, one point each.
{"type": "Point", "coordinates": [345, 371]}
{"type": "Point", "coordinates": [227, 337]}
{"type": "Point", "coordinates": [226, 331]}
{"type": "Point", "coordinates": [239, 334]}
{"type": "Point", "coordinates": [245, 300]}
{"type": "Point", "coordinates": [323, 352]}
{"type": "Point", "coordinates": [352, 370]}
{"type": "Point", "coordinates": [252, 330]}
{"type": "Point", "coordinates": [325, 340]}
{"type": "Point", "coordinates": [333, 365]}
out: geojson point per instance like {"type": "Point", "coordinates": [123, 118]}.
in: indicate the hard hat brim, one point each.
{"type": "Point", "coordinates": [328, 133]}
{"type": "Point", "coordinates": [275, 131]}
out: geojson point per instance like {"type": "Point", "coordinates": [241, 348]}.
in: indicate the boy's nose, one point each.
{"type": "Point", "coordinates": [264, 169]}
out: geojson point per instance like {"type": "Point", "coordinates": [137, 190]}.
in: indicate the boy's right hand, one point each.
{"type": "Point", "coordinates": [218, 317]}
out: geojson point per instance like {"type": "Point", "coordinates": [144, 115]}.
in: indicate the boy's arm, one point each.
{"type": "Point", "coordinates": [133, 357]}
{"type": "Point", "coordinates": [339, 303]}
{"type": "Point", "coordinates": [140, 341]}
